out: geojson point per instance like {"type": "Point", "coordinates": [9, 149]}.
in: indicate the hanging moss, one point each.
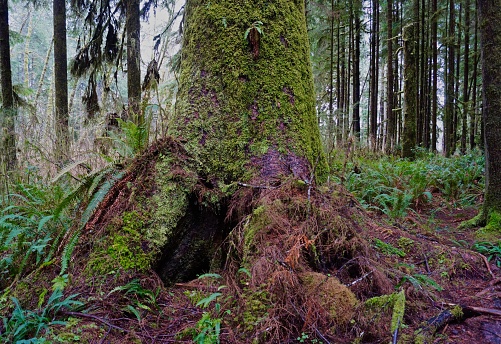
{"type": "Point", "coordinates": [239, 109]}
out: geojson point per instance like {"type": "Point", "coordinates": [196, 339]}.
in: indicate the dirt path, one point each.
{"type": "Point", "coordinates": [470, 290]}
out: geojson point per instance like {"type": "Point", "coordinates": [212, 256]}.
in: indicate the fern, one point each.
{"type": "Point", "coordinates": [67, 251]}
{"type": "Point", "coordinates": [98, 197]}
{"type": "Point", "coordinates": [85, 189]}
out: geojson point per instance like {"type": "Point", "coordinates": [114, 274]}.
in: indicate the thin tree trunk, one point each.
{"type": "Point", "coordinates": [466, 77]}
{"type": "Point", "coordinates": [449, 93]}
{"type": "Point", "coordinates": [374, 74]}
{"type": "Point", "coordinates": [434, 87]}
{"type": "Point", "coordinates": [356, 72]}
{"type": "Point", "coordinates": [473, 118]}
{"type": "Point", "coordinates": [330, 120]}
{"type": "Point", "coordinates": [61, 82]}
{"type": "Point", "coordinates": [410, 91]}
{"type": "Point", "coordinates": [133, 26]}
{"type": "Point", "coordinates": [390, 115]}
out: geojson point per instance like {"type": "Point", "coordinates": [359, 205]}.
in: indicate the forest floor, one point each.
{"type": "Point", "coordinates": [433, 244]}
{"type": "Point", "coordinates": [471, 291]}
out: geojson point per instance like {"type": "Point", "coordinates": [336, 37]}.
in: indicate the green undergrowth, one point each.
{"type": "Point", "coordinates": [396, 186]}
{"type": "Point", "coordinates": [31, 227]}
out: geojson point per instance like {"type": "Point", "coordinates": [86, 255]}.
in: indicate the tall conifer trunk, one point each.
{"type": "Point", "coordinates": [246, 105]}
{"type": "Point", "coordinates": [410, 91]}
{"type": "Point", "coordinates": [61, 81]}
{"type": "Point", "coordinates": [7, 111]}
{"type": "Point", "coordinates": [490, 41]}
{"type": "Point", "coordinates": [133, 26]}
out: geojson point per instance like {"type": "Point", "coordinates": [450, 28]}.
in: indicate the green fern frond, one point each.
{"type": "Point", "coordinates": [98, 197]}
{"type": "Point", "coordinates": [67, 169]}
{"type": "Point", "coordinates": [86, 187]}
{"type": "Point", "coordinates": [68, 251]}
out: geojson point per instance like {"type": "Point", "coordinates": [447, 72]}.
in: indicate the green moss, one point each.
{"type": "Point", "coordinates": [477, 221]}
{"type": "Point", "coordinates": [388, 248]}
{"type": "Point", "coordinates": [233, 105]}
{"type": "Point", "coordinates": [256, 308]}
{"type": "Point", "coordinates": [123, 248]}
{"type": "Point", "coordinates": [492, 227]}
{"type": "Point", "coordinates": [255, 223]}
{"type": "Point", "coordinates": [170, 202]}
{"type": "Point", "coordinates": [457, 312]}
{"type": "Point", "coordinates": [405, 243]}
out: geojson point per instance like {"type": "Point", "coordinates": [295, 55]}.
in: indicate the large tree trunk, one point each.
{"type": "Point", "coordinates": [490, 40]}
{"type": "Point", "coordinates": [246, 105]}
{"type": "Point", "coordinates": [61, 81]}
{"type": "Point", "coordinates": [8, 111]}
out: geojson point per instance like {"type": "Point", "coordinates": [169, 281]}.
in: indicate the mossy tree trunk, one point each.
{"type": "Point", "coordinates": [7, 111]}
{"type": "Point", "coordinates": [246, 106]}
{"type": "Point", "coordinates": [490, 36]}
{"type": "Point", "coordinates": [410, 91]}
{"type": "Point", "coordinates": [133, 27]}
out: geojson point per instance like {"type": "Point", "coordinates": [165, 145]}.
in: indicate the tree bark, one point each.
{"type": "Point", "coordinates": [490, 41]}
{"type": "Point", "coordinates": [410, 91]}
{"type": "Point", "coordinates": [466, 78]}
{"type": "Point", "coordinates": [8, 110]}
{"type": "Point", "coordinates": [133, 27]}
{"type": "Point", "coordinates": [246, 105]}
{"type": "Point", "coordinates": [356, 71]}
{"type": "Point", "coordinates": [390, 115]}
{"type": "Point", "coordinates": [61, 81]}
{"type": "Point", "coordinates": [449, 93]}
{"type": "Point", "coordinates": [434, 83]}
{"type": "Point", "coordinates": [374, 74]}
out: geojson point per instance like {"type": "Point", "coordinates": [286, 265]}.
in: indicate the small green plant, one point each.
{"type": "Point", "coordinates": [130, 139]}
{"type": "Point", "coordinates": [419, 281]}
{"type": "Point", "coordinates": [143, 298]}
{"type": "Point", "coordinates": [257, 26]}
{"type": "Point", "coordinates": [26, 325]}
{"type": "Point", "coordinates": [30, 228]}
{"type": "Point", "coordinates": [387, 248]}
{"type": "Point", "coordinates": [491, 250]}
{"type": "Point", "coordinates": [208, 328]}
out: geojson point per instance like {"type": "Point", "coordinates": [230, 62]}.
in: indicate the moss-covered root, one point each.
{"type": "Point", "coordinates": [491, 223]}
{"type": "Point", "coordinates": [425, 334]}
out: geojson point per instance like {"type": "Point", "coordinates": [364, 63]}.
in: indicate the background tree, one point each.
{"type": "Point", "coordinates": [61, 81]}
{"type": "Point", "coordinates": [133, 27]}
{"type": "Point", "coordinates": [410, 91]}
{"type": "Point", "coordinates": [8, 110]}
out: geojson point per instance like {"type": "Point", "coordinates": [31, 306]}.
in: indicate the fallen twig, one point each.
{"type": "Point", "coordinates": [478, 310]}
{"type": "Point", "coordinates": [256, 186]}
{"type": "Point", "coordinates": [487, 264]}
{"type": "Point", "coordinates": [95, 317]}
{"type": "Point", "coordinates": [358, 279]}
